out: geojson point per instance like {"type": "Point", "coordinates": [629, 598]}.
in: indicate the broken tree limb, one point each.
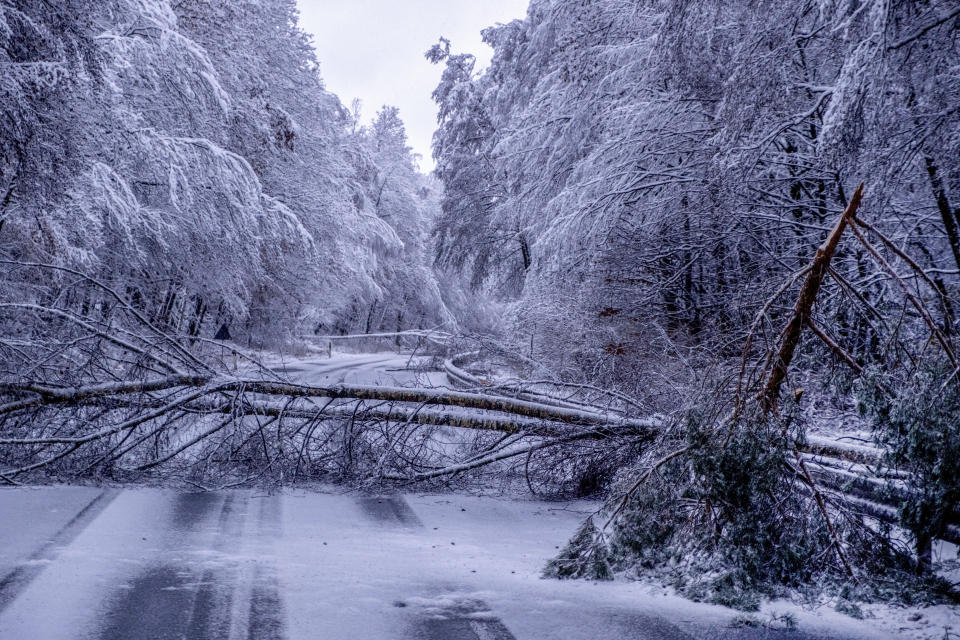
{"type": "Point", "coordinates": [136, 421]}
{"type": "Point", "coordinates": [47, 394]}
{"type": "Point", "coordinates": [460, 419]}
{"type": "Point", "coordinates": [502, 455]}
{"type": "Point", "coordinates": [463, 379]}
{"type": "Point", "coordinates": [757, 320]}
{"type": "Point", "coordinates": [802, 316]}
{"type": "Point", "coordinates": [847, 452]}
{"type": "Point", "coordinates": [836, 348]}
{"type": "Point", "coordinates": [805, 301]}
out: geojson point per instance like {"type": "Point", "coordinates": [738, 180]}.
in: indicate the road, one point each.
{"type": "Point", "coordinates": [138, 564]}
{"type": "Point", "coordinates": [87, 563]}
{"type": "Point", "coordinates": [387, 369]}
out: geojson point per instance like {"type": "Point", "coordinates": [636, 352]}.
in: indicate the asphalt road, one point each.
{"type": "Point", "coordinates": [388, 369]}
{"type": "Point", "coordinates": [138, 564]}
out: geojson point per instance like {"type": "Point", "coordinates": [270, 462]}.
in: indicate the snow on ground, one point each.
{"type": "Point", "coordinates": [47, 512]}
{"type": "Point", "coordinates": [342, 367]}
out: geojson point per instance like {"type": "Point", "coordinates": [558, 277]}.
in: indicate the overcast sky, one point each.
{"type": "Point", "coordinates": [373, 50]}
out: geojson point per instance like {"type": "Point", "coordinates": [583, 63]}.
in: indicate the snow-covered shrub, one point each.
{"type": "Point", "coordinates": [731, 520]}
{"type": "Point", "coordinates": [585, 556]}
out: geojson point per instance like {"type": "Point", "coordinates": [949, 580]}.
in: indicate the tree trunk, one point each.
{"type": "Point", "coordinates": [369, 325]}
{"type": "Point", "coordinates": [525, 251]}
{"type": "Point", "coordinates": [199, 311]}
{"type": "Point", "coordinates": [924, 554]}
{"type": "Point", "coordinates": [951, 219]}
{"type": "Point", "coordinates": [801, 313]}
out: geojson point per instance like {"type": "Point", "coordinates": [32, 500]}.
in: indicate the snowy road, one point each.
{"type": "Point", "coordinates": [154, 564]}
{"type": "Point", "coordinates": [388, 369]}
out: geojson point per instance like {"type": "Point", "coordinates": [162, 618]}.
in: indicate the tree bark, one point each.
{"type": "Point", "coordinates": [951, 219]}
{"type": "Point", "coordinates": [801, 313]}
{"type": "Point", "coordinates": [525, 252]}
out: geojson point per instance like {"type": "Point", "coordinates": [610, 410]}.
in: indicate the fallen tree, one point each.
{"type": "Point", "coordinates": [738, 504]}
{"type": "Point", "coordinates": [93, 388]}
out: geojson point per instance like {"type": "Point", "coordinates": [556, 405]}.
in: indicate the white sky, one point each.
{"type": "Point", "coordinates": [373, 50]}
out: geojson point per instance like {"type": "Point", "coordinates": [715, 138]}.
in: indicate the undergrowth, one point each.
{"type": "Point", "coordinates": [732, 522]}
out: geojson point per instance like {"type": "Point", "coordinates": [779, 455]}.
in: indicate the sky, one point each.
{"type": "Point", "coordinates": [373, 50]}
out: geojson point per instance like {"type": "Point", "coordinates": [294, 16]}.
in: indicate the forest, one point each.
{"type": "Point", "coordinates": [696, 259]}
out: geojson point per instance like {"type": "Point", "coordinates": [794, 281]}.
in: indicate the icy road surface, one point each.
{"type": "Point", "coordinates": [385, 369]}
{"type": "Point", "coordinates": [138, 564]}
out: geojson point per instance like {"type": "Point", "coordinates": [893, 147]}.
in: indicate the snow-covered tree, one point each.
{"type": "Point", "coordinates": [650, 173]}
{"type": "Point", "coordinates": [188, 154]}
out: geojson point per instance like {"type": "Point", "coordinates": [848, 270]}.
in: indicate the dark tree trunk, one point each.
{"type": "Point", "coordinates": [951, 219]}
{"type": "Point", "coordinates": [924, 554]}
{"type": "Point", "coordinates": [525, 252]}
{"type": "Point", "coordinates": [805, 301]}
{"type": "Point", "coordinates": [369, 326]}
{"type": "Point", "coordinates": [199, 311]}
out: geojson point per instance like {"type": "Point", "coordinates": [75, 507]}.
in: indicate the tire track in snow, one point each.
{"type": "Point", "coordinates": [456, 617]}
{"type": "Point", "coordinates": [212, 606]}
{"type": "Point", "coordinates": [170, 601]}
{"type": "Point", "coordinates": [390, 510]}
{"type": "Point", "coordinates": [266, 615]}
{"type": "Point", "coordinates": [13, 584]}
{"type": "Point", "coordinates": [450, 617]}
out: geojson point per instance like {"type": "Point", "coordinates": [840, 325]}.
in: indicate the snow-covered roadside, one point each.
{"type": "Point", "coordinates": [939, 622]}
{"type": "Point", "coordinates": [536, 529]}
